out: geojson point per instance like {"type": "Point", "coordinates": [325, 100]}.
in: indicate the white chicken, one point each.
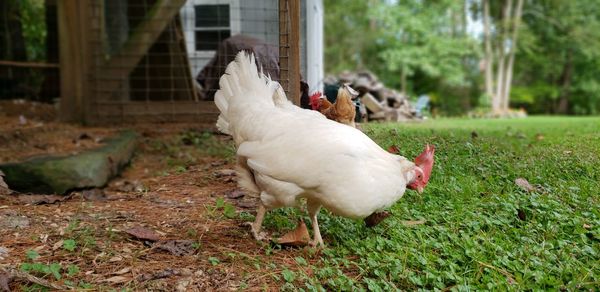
{"type": "Point", "coordinates": [286, 153]}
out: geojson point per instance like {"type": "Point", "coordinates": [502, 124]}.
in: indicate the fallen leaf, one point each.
{"type": "Point", "coordinates": [117, 279]}
{"type": "Point", "coordinates": [524, 184]}
{"type": "Point", "coordinates": [235, 194]}
{"type": "Point", "coordinates": [143, 233]}
{"type": "Point", "coordinates": [13, 220]}
{"type": "Point", "coordinates": [115, 259]}
{"type": "Point", "coordinates": [224, 172]}
{"type": "Point", "coordinates": [376, 218]}
{"type": "Point", "coordinates": [41, 199]}
{"type": "Point", "coordinates": [159, 275]}
{"type": "Point", "coordinates": [521, 214]}
{"type": "Point", "coordinates": [246, 204]}
{"type": "Point", "coordinates": [393, 149]}
{"type": "Point", "coordinates": [413, 222]}
{"type": "Point", "coordinates": [5, 279]}
{"type": "Point", "coordinates": [586, 226]}
{"type": "Point", "coordinates": [94, 195]}
{"type": "Point", "coordinates": [129, 186]}
{"type": "Point", "coordinates": [3, 252]}
{"type": "Point", "coordinates": [539, 137]}
{"type": "Point", "coordinates": [297, 237]}
{"type": "Point", "coordinates": [22, 120]}
{"type": "Point", "coordinates": [57, 245]}
{"type": "Point", "coordinates": [177, 247]}
{"type": "Point", "coordinates": [218, 163]}
{"type": "Point", "coordinates": [122, 271]}
{"type": "Point", "coordinates": [2, 183]}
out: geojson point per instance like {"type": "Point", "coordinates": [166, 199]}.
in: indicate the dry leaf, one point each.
{"type": "Point", "coordinates": [2, 183]}
{"type": "Point", "coordinates": [235, 194]}
{"type": "Point", "coordinates": [3, 252]}
{"type": "Point", "coordinates": [117, 279]}
{"type": "Point", "coordinates": [177, 247]}
{"type": "Point", "coordinates": [122, 271]}
{"type": "Point", "coordinates": [57, 245]}
{"type": "Point", "coordinates": [521, 214]}
{"type": "Point", "coordinates": [159, 275]}
{"type": "Point", "coordinates": [413, 222]}
{"type": "Point", "coordinates": [246, 204]}
{"type": "Point", "coordinates": [539, 137]}
{"type": "Point", "coordinates": [586, 226]}
{"type": "Point", "coordinates": [143, 233]}
{"type": "Point", "coordinates": [5, 278]}
{"type": "Point", "coordinates": [524, 184]}
{"type": "Point", "coordinates": [376, 218]}
{"type": "Point", "coordinates": [41, 199]}
{"type": "Point", "coordinates": [94, 195]}
{"type": "Point", "coordinates": [297, 237]}
{"type": "Point", "coordinates": [393, 149]}
{"type": "Point", "coordinates": [115, 259]}
{"type": "Point", "coordinates": [224, 172]}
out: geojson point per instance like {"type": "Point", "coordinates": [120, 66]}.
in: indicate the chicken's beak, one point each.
{"type": "Point", "coordinates": [420, 190]}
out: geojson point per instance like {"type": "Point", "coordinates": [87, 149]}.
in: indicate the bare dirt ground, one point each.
{"type": "Point", "coordinates": [178, 193]}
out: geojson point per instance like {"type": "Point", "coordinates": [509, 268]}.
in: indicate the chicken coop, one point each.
{"type": "Point", "coordinates": [123, 61]}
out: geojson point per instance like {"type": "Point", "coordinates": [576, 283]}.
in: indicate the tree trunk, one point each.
{"type": "Point", "coordinates": [500, 89]}
{"type": "Point", "coordinates": [489, 61]}
{"type": "Point", "coordinates": [511, 60]}
{"type": "Point", "coordinates": [403, 81]}
{"type": "Point", "coordinates": [565, 80]}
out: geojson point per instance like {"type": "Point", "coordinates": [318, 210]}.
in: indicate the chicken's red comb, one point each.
{"type": "Point", "coordinates": [314, 100]}
{"type": "Point", "coordinates": [425, 161]}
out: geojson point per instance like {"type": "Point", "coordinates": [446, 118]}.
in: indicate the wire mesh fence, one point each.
{"type": "Point", "coordinates": [153, 60]}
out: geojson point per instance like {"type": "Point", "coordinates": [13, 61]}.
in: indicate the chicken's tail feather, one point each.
{"type": "Point", "coordinates": [242, 83]}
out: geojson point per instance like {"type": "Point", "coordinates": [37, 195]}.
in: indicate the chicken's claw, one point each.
{"type": "Point", "coordinates": [316, 243]}
{"type": "Point", "coordinates": [259, 236]}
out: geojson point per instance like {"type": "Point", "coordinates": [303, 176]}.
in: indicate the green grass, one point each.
{"type": "Point", "coordinates": [482, 231]}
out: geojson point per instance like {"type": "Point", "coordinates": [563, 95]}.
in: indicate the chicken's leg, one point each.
{"type": "Point", "coordinates": [313, 211]}
{"type": "Point", "coordinates": [257, 224]}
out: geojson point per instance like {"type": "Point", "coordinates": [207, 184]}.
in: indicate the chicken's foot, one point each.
{"type": "Point", "coordinates": [257, 224]}
{"type": "Point", "coordinates": [313, 211]}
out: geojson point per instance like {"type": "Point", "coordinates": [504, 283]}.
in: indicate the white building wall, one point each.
{"type": "Point", "coordinates": [260, 19]}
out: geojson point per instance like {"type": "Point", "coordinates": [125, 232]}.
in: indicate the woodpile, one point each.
{"type": "Point", "coordinates": [377, 101]}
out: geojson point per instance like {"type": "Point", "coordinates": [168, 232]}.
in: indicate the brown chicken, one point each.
{"type": "Point", "coordinates": [342, 110]}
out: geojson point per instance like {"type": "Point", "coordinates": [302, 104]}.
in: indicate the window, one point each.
{"type": "Point", "coordinates": [212, 25]}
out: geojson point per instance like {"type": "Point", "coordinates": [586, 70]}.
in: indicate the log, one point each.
{"type": "Point", "coordinates": [60, 174]}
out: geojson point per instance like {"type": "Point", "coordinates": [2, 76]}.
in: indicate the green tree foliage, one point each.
{"type": "Point", "coordinates": [426, 36]}
{"type": "Point", "coordinates": [405, 43]}
{"type": "Point", "coordinates": [559, 65]}
{"type": "Point", "coordinates": [422, 46]}
{"type": "Point", "coordinates": [33, 24]}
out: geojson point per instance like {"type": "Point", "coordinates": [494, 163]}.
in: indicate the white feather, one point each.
{"type": "Point", "coordinates": [295, 153]}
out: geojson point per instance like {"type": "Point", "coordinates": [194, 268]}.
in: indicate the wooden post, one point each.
{"type": "Point", "coordinates": [289, 48]}
{"type": "Point", "coordinates": [284, 46]}
{"type": "Point", "coordinates": [295, 51]}
{"type": "Point", "coordinates": [73, 18]}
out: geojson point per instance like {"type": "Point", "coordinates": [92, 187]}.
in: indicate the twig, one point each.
{"type": "Point", "coordinates": [33, 279]}
{"type": "Point", "coordinates": [511, 278]}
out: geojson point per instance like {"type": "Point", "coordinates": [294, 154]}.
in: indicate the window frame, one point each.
{"type": "Point", "coordinates": [234, 24]}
